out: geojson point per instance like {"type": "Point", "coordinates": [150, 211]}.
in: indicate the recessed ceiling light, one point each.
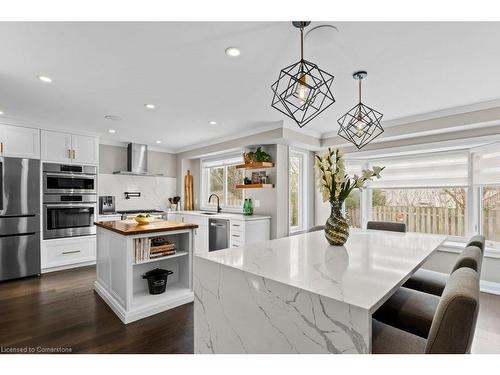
{"type": "Point", "coordinates": [1, 112]}
{"type": "Point", "coordinates": [112, 131]}
{"type": "Point", "coordinates": [233, 51]}
{"type": "Point", "coordinates": [158, 142]}
{"type": "Point", "coordinates": [44, 79]}
{"type": "Point", "coordinates": [149, 106]}
{"type": "Point", "coordinates": [112, 117]}
{"type": "Point", "coordinates": [212, 122]}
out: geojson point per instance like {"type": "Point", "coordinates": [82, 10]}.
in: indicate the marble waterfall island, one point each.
{"type": "Point", "coordinates": [300, 295]}
{"type": "Point", "coordinates": [124, 254]}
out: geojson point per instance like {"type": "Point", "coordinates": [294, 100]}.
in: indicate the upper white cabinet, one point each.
{"type": "Point", "coordinates": [65, 147]}
{"type": "Point", "coordinates": [19, 142]}
{"type": "Point", "coordinates": [56, 146]}
{"type": "Point", "coordinates": [85, 149]}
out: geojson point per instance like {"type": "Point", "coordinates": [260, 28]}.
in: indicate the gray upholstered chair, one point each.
{"type": "Point", "coordinates": [433, 282]}
{"type": "Point", "coordinates": [386, 225]}
{"type": "Point", "coordinates": [453, 323]}
{"type": "Point", "coordinates": [477, 240]}
{"type": "Point", "coordinates": [316, 228]}
{"type": "Point", "coordinates": [412, 309]}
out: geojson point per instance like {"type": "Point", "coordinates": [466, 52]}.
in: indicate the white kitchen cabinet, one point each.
{"type": "Point", "coordinates": [242, 231]}
{"type": "Point", "coordinates": [19, 142]}
{"type": "Point", "coordinates": [56, 146]}
{"type": "Point", "coordinates": [65, 147]}
{"type": "Point", "coordinates": [200, 233]}
{"type": "Point", "coordinates": [85, 149]}
{"type": "Point", "coordinates": [68, 252]}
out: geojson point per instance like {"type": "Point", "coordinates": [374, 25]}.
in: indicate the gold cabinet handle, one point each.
{"type": "Point", "coordinates": [74, 154]}
{"type": "Point", "coordinates": [1, 147]}
{"type": "Point", "coordinates": [69, 154]}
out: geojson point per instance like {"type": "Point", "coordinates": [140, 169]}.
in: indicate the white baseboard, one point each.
{"type": "Point", "coordinates": [68, 266]}
{"type": "Point", "coordinates": [490, 287]}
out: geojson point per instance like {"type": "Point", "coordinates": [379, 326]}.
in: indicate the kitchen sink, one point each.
{"type": "Point", "coordinates": [208, 213]}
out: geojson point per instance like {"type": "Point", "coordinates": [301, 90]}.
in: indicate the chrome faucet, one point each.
{"type": "Point", "coordinates": [218, 205]}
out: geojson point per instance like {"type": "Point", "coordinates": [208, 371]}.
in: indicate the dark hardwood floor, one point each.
{"type": "Point", "coordinates": [61, 310]}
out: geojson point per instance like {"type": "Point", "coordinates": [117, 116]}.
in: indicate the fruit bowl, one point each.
{"type": "Point", "coordinates": [143, 219]}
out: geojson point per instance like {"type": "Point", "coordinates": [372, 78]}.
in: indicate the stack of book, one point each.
{"type": "Point", "coordinates": [161, 251]}
{"type": "Point", "coordinates": [161, 247]}
{"type": "Point", "coordinates": [141, 249]}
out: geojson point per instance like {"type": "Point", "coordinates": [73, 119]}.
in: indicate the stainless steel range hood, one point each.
{"type": "Point", "coordinates": [137, 161]}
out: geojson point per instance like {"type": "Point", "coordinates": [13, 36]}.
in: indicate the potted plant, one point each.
{"type": "Point", "coordinates": [335, 186]}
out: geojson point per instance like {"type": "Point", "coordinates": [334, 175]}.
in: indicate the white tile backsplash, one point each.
{"type": "Point", "coordinates": [155, 191]}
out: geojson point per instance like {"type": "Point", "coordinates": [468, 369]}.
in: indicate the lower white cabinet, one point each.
{"type": "Point", "coordinates": [67, 252]}
{"type": "Point", "coordinates": [241, 231]}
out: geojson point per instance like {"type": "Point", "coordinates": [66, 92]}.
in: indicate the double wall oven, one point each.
{"type": "Point", "coordinates": [69, 200]}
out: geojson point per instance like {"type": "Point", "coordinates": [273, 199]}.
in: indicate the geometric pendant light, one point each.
{"type": "Point", "coordinates": [361, 124]}
{"type": "Point", "coordinates": [302, 90]}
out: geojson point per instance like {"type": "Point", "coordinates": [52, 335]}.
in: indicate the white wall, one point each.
{"type": "Point", "coordinates": [155, 191]}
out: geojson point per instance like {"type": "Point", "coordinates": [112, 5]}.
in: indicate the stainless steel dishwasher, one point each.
{"type": "Point", "coordinates": [218, 234]}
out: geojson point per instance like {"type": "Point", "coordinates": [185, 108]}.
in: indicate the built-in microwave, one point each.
{"type": "Point", "coordinates": [69, 179]}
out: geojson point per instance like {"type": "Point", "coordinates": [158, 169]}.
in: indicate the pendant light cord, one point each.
{"type": "Point", "coordinates": [301, 43]}
{"type": "Point", "coordinates": [359, 90]}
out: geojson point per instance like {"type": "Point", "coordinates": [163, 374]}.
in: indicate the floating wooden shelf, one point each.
{"type": "Point", "coordinates": [255, 186]}
{"type": "Point", "coordinates": [256, 165]}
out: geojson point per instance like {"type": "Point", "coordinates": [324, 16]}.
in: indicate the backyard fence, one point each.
{"type": "Point", "coordinates": [437, 220]}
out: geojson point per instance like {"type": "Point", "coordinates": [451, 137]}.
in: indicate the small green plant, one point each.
{"type": "Point", "coordinates": [259, 156]}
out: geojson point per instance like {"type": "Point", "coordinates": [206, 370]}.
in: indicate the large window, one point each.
{"type": "Point", "coordinates": [297, 194]}
{"type": "Point", "coordinates": [220, 176]}
{"type": "Point", "coordinates": [353, 209]}
{"type": "Point", "coordinates": [438, 211]}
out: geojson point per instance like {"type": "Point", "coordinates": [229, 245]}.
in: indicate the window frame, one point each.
{"type": "Point", "coordinates": [235, 159]}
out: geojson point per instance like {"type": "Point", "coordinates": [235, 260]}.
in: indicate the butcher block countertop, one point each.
{"type": "Point", "coordinates": [131, 228]}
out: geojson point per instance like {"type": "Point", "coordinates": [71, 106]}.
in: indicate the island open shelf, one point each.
{"type": "Point", "coordinates": [119, 273]}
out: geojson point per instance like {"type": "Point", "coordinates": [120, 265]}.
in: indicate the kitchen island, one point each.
{"type": "Point", "coordinates": [298, 294]}
{"type": "Point", "coordinates": [125, 252]}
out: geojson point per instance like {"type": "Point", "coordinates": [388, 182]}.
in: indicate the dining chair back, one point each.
{"type": "Point", "coordinates": [386, 225]}
{"type": "Point", "coordinates": [454, 322]}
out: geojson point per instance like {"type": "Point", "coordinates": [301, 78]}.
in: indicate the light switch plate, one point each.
{"type": "Point", "coordinates": [256, 203]}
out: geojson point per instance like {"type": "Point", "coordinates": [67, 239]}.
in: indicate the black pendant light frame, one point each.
{"type": "Point", "coordinates": [361, 124]}
{"type": "Point", "coordinates": [304, 75]}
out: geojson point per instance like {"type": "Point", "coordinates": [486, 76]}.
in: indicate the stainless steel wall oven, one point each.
{"type": "Point", "coordinates": [69, 200]}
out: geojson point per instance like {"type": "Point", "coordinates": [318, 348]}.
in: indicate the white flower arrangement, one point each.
{"type": "Point", "coordinates": [334, 184]}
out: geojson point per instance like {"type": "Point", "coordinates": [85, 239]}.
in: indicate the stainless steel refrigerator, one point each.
{"type": "Point", "coordinates": [19, 217]}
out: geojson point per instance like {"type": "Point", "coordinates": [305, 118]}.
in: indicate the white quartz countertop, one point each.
{"type": "Point", "coordinates": [364, 272]}
{"type": "Point", "coordinates": [223, 215]}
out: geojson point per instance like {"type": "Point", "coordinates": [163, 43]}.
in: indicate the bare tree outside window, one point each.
{"type": "Point", "coordinates": [234, 177]}
{"type": "Point", "coordinates": [491, 212]}
{"type": "Point", "coordinates": [216, 183]}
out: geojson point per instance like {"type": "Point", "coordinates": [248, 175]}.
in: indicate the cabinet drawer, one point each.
{"type": "Point", "coordinates": [237, 225]}
{"type": "Point", "coordinates": [58, 253]}
{"type": "Point", "coordinates": [236, 244]}
{"type": "Point", "coordinates": [237, 236]}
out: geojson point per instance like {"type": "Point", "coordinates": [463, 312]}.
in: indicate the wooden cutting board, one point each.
{"type": "Point", "coordinates": [188, 191]}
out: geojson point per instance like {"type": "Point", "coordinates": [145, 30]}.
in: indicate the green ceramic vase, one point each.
{"type": "Point", "coordinates": [336, 227]}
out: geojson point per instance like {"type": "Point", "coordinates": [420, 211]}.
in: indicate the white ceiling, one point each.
{"type": "Point", "coordinates": [115, 68]}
